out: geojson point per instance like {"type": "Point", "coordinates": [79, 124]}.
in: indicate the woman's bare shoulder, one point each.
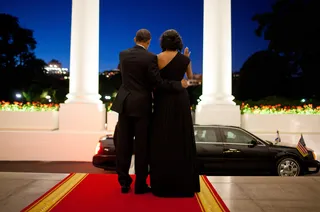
{"type": "Point", "coordinates": [160, 54]}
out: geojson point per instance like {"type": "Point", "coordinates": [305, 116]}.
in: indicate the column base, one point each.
{"type": "Point", "coordinates": [82, 117]}
{"type": "Point", "coordinates": [211, 114]}
{"type": "Point", "coordinates": [217, 99]}
{"type": "Point", "coordinates": [87, 99]}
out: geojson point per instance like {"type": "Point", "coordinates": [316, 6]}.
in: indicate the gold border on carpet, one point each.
{"type": "Point", "coordinates": [49, 201]}
{"type": "Point", "coordinates": [206, 198]}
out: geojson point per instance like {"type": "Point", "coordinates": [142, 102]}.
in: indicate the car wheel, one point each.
{"type": "Point", "coordinates": [288, 166]}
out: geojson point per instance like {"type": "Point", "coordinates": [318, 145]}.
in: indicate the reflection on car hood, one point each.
{"type": "Point", "coordinates": [284, 144]}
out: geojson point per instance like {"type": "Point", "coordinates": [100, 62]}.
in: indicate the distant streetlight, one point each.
{"type": "Point", "coordinates": [303, 100]}
{"type": "Point", "coordinates": [18, 95]}
{"type": "Point", "coordinates": [48, 97]}
{"type": "Point", "coordinates": [107, 97]}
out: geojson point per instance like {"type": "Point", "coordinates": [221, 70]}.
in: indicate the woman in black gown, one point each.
{"type": "Point", "coordinates": [173, 170]}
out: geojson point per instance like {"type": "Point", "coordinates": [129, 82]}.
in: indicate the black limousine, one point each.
{"type": "Point", "coordinates": [223, 149]}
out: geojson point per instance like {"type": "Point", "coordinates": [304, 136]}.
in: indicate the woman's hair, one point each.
{"type": "Point", "coordinates": [171, 40]}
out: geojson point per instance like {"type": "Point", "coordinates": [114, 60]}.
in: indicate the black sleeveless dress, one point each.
{"type": "Point", "coordinates": [173, 170]}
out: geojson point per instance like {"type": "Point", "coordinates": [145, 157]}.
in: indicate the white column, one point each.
{"type": "Point", "coordinates": [217, 106]}
{"type": "Point", "coordinates": [83, 110]}
{"type": "Point", "coordinates": [84, 53]}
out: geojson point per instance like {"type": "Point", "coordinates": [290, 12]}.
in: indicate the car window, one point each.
{"type": "Point", "coordinates": [205, 134]}
{"type": "Point", "coordinates": [236, 136]}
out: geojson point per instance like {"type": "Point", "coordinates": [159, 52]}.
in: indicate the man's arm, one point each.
{"type": "Point", "coordinates": [158, 82]}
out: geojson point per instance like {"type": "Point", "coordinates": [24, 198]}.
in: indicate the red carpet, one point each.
{"type": "Point", "coordinates": [101, 192]}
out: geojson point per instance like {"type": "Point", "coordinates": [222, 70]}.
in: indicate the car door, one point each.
{"type": "Point", "coordinates": [241, 154]}
{"type": "Point", "coordinates": [209, 149]}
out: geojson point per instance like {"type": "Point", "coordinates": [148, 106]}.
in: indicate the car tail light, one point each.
{"type": "Point", "coordinates": [98, 147]}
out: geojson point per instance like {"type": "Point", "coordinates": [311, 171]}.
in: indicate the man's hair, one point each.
{"type": "Point", "coordinates": [171, 40]}
{"type": "Point", "coordinates": [143, 35]}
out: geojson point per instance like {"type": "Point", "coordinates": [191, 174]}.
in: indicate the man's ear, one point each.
{"type": "Point", "coordinates": [134, 39]}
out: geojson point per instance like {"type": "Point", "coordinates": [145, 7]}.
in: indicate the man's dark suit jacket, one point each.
{"type": "Point", "coordinates": [140, 75]}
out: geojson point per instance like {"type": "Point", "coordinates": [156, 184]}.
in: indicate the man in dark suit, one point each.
{"type": "Point", "coordinates": [140, 75]}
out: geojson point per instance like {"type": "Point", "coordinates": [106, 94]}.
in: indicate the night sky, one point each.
{"type": "Point", "coordinates": [119, 20]}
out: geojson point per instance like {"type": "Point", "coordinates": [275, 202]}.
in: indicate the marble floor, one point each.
{"type": "Point", "coordinates": [241, 194]}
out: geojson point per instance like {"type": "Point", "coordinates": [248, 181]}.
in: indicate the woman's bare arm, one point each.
{"type": "Point", "coordinates": [189, 72]}
{"type": "Point", "coordinates": [160, 61]}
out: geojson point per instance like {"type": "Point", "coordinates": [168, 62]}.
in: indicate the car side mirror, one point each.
{"type": "Point", "coordinates": [253, 143]}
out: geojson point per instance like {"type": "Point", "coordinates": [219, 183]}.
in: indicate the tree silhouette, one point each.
{"type": "Point", "coordinates": [264, 74]}
{"type": "Point", "coordinates": [293, 31]}
{"type": "Point", "coordinates": [19, 67]}
{"type": "Point", "coordinates": [16, 43]}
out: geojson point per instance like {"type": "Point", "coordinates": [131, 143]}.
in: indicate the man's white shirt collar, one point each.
{"type": "Point", "coordinates": [141, 46]}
